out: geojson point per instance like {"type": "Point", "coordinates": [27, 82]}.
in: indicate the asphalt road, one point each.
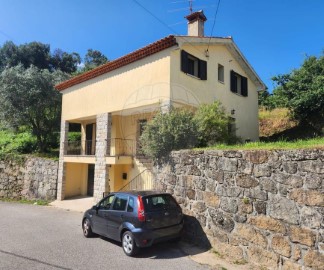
{"type": "Point", "coordinates": [38, 237]}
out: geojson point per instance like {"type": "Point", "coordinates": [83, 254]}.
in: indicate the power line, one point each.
{"type": "Point", "coordinates": [211, 34]}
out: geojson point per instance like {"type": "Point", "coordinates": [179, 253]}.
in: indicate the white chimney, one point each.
{"type": "Point", "coordinates": [196, 22]}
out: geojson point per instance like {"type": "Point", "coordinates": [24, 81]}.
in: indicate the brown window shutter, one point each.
{"type": "Point", "coordinates": [244, 86]}
{"type": "Point", "coordinates": [202, 70]}
{"type": "Point", "coordinates": [233, 82]}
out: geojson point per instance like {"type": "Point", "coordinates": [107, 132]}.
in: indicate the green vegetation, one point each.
{"type": "Point", "coordinates": [182, 128]}
{"type": "Point", "coordinates": [11, 142]}
{"type": "Point", "coordinates": [302, 93]}
{"type": "Point", "coordinates": [240, 262]}
{"type": "Point", "coordinates": [25, 201]}
{"type": "Point", "coordinates": [298, 144]}
{"type": "Point", "coordinates": [246, 200]}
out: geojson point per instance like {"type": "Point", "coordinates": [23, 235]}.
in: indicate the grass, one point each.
{"type": "Point", "coordinates": [274, 121]}
{"type": "Point", "coordinates": [298, 144]}
{"type": "Point", "coordinates": [25, 201]}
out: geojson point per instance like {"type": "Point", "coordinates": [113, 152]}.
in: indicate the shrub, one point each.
{"type": "Point", "coordinates": [169, 131]}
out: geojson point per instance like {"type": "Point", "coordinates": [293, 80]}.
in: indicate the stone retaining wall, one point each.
{"type": "Point", "coordinates": [265, 207]}
{"type": "Point", "coordinates": [33, 178]}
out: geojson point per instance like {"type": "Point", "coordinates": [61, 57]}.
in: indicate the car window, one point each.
{"type": "Point", "coordinates": [130, 206]}
{"type": "Point", "coordinates": [106, 203]}
{"type": "Point", "coordinates": [120, 202]}
{"type": "Point", "coordinates": [158, 202]}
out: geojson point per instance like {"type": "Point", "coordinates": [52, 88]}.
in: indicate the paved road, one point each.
{"type": "Point", "coordinates": [38, 237]}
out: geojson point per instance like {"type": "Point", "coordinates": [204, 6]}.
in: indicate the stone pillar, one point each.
{"type": "Point", "coordinates": [83, 139]}
{"type": "Point", "coordinates": [101, 181]}
{"type": "Point", "coordinates": [62, 165]}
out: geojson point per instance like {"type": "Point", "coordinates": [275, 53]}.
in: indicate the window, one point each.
{"type": "Point", "coordinates": [120, 203]}
{"type": "Point", "coordinates": [193, 65]}
{"type": "Point", "coordinates": [239, 84]}
{"type": "Point", "coordinates": [105, 204]}
{"type": "Point", "coordinates": [220, 73]}
{"type": "Point", "coordinates": [159, 202]}
{"type": "Point", "coordinates": [130, 206]}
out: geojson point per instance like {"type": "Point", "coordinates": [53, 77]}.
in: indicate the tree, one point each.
{"type": "Point", "coordinates": [28, 98]}
{"type": "Point", "coordinates": [93, 59]}
{"type": "Point", "coordinates": [169, 131]}
{"type": "Point", "coordinates": [303, 92]}
{"type": "Point", "coordinates": [38, 55]}
{"type": "Point", "coordinates": [213, 124]}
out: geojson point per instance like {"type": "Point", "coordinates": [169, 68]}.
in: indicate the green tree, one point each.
{"type": "Point", "coordinates": [28, 98]}
{"type": "Point", "coordinates": [93, 59]}
{"type": "Point", "coordinates": [302, 91]}
{"type": "Point", "coordinates": [213, 124]}
{"type": "Point", "coordinates": [169, 131]}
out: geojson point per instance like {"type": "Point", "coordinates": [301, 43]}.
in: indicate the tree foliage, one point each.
{"type": "Point", "coordinates": [302, 92]}
{"type": "Point", "coordinates": [213, 124]}
{"type": "Point", "coordinates": [28, 98]}
{"type": "Point", "coordinates": [38, 55]}
{"type": "Point", "coordinates": [169, 131]}
{"type": "Point", "coordinates": [93, 59]}
{"type": "Point", "coordinates": [182, 128]}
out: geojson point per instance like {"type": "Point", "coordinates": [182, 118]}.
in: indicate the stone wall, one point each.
{"type": "Point", "coordinates": [264, 207]}
{"type": "Point", "coordinates": [31, 178]}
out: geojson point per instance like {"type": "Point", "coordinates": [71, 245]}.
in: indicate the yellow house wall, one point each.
{"type": "Point", "coordinates": [185, 87]}
{"type": "Point", "coordinates": [138, 84]}
{"type": "Point", "coordinates": [76, 179]}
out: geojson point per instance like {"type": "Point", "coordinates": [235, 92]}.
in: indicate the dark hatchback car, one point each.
{"type": "Point", "coordinates": [135, 218]}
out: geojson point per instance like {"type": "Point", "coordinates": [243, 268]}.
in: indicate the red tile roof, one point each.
{"type": "Point", "coordinates": [148, 50]}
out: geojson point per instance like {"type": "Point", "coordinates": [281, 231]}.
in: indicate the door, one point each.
{"type": "Point", "coordinates": [91, 168]}
{"type": "Point", "coordinates": [100, 218]}
{"type": "Point", "coordinates": [117, 215]}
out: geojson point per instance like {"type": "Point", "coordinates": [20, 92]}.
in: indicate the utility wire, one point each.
{"type": "Point", "coordinates": [211, 34]}
{"type": "Point", "coordinates": [167, 26]}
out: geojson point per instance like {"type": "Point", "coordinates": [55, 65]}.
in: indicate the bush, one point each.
{"type": "Point", "coordinates": [17, 143]}
{"type": "Point", "coordinates": [169, 131]}
{"type": "Point", "coordinates": [213, 125]}
{"type": "Point", "coordinates": [74, 136]}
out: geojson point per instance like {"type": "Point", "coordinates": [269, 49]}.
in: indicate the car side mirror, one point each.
{"type": "Point", "coordinates": [95, 207]}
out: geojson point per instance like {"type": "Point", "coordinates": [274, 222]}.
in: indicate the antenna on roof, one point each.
{"type": "Point", "coordinates": [190, 6]}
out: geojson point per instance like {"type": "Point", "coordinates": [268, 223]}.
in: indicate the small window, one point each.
{"type": "Point", "coordinates": [220, 73]}
{"type": "Point", "coordinates": [120, 203]}
{"type": "Point", "coordinates": [159, 202]}
{"type": "Point", "coordinates": [130, 206]}
{"type": "Point", "coordinates": [193, 65]}
{"type": "Point", "coordinates": [239, 84]}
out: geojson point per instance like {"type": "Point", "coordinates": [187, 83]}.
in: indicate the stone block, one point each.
{"type": "Point", "coordinates": [267, 223]}
{"type": "Point", "coordinates": [293, 181]}
{"type": "Point", "coordinates": [296, 254]}
{"type": "Point", "coordinates": [263, 257]}
{"type": "Point", "coordinates": [314, 259]}
{"type": "Point", "coordinates": [246, 181]}
{"type": "Point", "coordinates": [221, 220]}
{"type": "Point", "coordinates": [198, 207]}
{"type": "Point", "coordinates": [267, 184]}
{"type": "Point", "coordinates": [262, 170]}
{"type": "Point", "coordinates": [233, 253]}
{"type": "Point", "coordinates": [191, 194]}
{"type": "Point", "coordinates": [260, 207]}
{"type": "Point", "coordinates": [314, 181]}
{"type": "Point", "coordinates": [311, 218]}
{"type": "Point", "coordinates": [289, 265]}
{"type": "Point", "coordinates": [227, 164]}
{"type": "Point", "coordinates": [229, 205]}
{"type": "Point", "coordinates": [257, 157]}
{"type": "Point", "coordinates": [256, 193]}
{"type": "Point", "coordinates": [251, 235]}
{"type": "Point", "coordinates": [245, 207]}
{"type": "Point", "coordinates": [307, 197]}
{"type": "Point", "coordinates": [312, 166]}
{"type": "Point", "coordinates": [283, 209]}
{"type": "Point", "coordinates": [281, 245]}
{"type": "Point", "coordinates": [211, 199]}
{"type": "Point", "coordinates": [200, 183]}
{"type": "Point", "coordinates": [302, 235]}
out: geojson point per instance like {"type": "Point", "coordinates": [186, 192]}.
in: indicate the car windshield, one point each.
{"type": "Point", "coordinates": [159, 202]}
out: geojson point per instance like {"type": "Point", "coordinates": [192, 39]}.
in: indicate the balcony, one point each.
{"type": "Point", "coordinates": [115, 147]}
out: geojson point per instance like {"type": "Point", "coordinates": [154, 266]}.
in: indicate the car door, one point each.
{"type": "Point", "coordinates": [100, 217]}
{"type": "Point", "coordinates": [116, 215]}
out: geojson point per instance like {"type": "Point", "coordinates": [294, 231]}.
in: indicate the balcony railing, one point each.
{"type": "Point", "coordinates": [120, 147]}
{"type": "Point", "coordinates": [115, 147]}
{"type": "Point", "coordinates": [77, 148]}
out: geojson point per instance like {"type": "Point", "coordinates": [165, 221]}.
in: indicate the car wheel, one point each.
{"type": "Point", "coordinates": [129, 245]}
{"type": "Point", "coordinates": [87, 231]}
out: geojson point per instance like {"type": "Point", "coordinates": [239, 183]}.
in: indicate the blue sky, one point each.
{"type": "Point", "coordinates": [275, 35]}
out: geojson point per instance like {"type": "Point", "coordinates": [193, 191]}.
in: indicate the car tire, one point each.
{"type": "Point", "coordinates": [86, 227]}
{"type": "Point", "coordinates": [128, 244]}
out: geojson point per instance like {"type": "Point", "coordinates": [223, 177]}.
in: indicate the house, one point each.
{"type": "Point", "coordinates": [113, 102]}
